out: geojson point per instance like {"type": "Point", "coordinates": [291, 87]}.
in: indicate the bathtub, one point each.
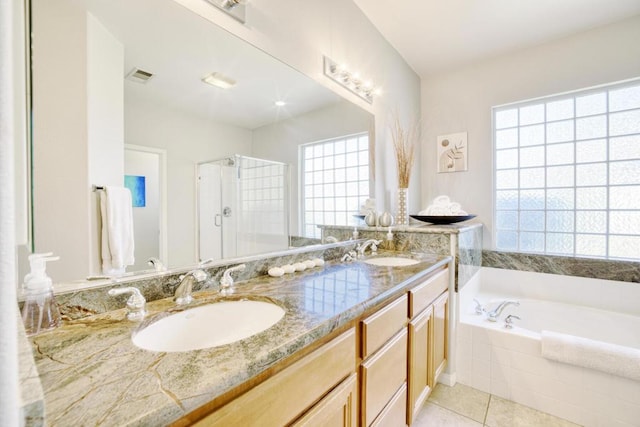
{"type": "Point", "coordinates": [509, 362]}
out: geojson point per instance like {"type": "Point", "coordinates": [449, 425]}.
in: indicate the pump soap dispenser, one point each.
{"type": "Point", "coordinates": [40, 311]}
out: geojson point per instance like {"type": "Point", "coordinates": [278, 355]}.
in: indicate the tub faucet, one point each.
{"type": "Point", "coordinates": [182, 295]}
{"type": "Point", "coordinates": [479, 308]}
{"type": "Point", "coordinates": [363, 247]}
{"type": "Point", "coordinates": [494, 314]}
{"type": "Point", "coordinates": [227, 281]}
{"type": "Point", "coordinates": [508, 321]}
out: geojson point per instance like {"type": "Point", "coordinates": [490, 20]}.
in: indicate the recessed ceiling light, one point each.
{"type": "Point", "coordinates": [219, 80]}
{"type": "Point", "coordinates": [280, 103]}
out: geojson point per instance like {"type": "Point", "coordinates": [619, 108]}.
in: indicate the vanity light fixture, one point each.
{"type": "Point", "coordinates": [280, 103]}
{"type": "Point", "coordinates": [350, 80]}
{"type": "Point", "coordinates": [219, 80]}
{"type": "Point", "coordinates": [233, 8]}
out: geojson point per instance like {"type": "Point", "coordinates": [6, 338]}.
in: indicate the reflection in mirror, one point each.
{"type": "Point", "coordinates": [242, 207]}
{"type": "Point", "coordinates": [118, 91]}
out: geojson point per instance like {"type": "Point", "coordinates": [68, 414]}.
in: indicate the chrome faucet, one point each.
{"type": "Point", "coordinates": [135, 303]}
{"type": "Point", "coordinates": [349, 256]}
{"type": "Point", "coordinates": [493, 315]}
{"type": "Point", "coordinates": [227, 281]}
{"type": "Point", "coordinates": [508, 321]}
{"type": "Point", "coordinates": [156, 264]}
{"type": "Point", "coordinates": [371, 242]}
{"type": "Point", "coordinates": [182, 295]}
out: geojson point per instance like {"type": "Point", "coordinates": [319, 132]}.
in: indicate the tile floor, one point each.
{"type": "Point", "coordinates": [462, 406]}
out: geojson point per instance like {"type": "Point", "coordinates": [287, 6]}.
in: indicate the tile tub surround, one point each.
{"type": "Point", "coordinates": [509, 362]}
{"type": "Point", "coordinates": [622, 271]}
{"type": "Point", "coordinates": [78, 300]}
{"type": "Point", "coordinates": [92, 373]}
{"type": "Point", "coordinates": [461, 241]}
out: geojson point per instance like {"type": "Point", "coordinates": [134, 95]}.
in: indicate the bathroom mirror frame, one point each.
{"type": "Point", "coordinates": [32, 141]}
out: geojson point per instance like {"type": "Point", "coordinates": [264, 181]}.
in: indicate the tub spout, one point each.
{"type": "Point", "coordinates": [493, 315]}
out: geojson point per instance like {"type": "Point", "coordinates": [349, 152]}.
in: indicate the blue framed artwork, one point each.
{"type": "Point", "coordinates": [136, 184]}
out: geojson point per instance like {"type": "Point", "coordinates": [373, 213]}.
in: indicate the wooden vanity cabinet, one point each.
{"type": "Point", "coordinates": [427, 354]}
{"type": "Point", "coordinates": [440, 336]}
{"type": "Point", "coordinates": [383, 371]}
{"type": "Point", "coordinates": [322, 380]}
{"type": "Point", "coordinates": [379, 375]}
{"type": "Point", "coordinates": [337, 409]}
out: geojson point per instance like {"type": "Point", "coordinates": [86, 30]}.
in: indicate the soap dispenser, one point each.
{"type": "Point", "coordinates": [40, 311]}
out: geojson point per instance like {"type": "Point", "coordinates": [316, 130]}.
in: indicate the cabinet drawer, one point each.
{"type": "Point", "coordinates": [395, 413]}
{"type": "Point", "coordinates": [382, 375]}
{"type": "Point", "coordinates": [379, 327]}
{"type": "Point", "coordinates": [422, 295]}
{"type": "Point", "coordinates": [287, 394]}
{"type": "Point", "coordinates": [337, 409]}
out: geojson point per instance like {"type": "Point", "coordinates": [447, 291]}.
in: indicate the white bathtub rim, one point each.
{"type": "Point", "coordinates": [609, 295]}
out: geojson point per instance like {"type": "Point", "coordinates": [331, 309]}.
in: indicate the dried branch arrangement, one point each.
{"type": "Point", "coordinates": [404, 144]}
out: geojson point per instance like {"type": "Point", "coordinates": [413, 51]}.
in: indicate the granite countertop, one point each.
{"type": "Point", "coordinates": [413, 227]}
{"type": "Point", "coordinates": [92, 374]}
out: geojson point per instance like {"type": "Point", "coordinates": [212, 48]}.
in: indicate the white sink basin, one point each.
{"type": "Point", "coordinates": [391, 261]}
{"type": "Point", "coordinates": [209, 326]}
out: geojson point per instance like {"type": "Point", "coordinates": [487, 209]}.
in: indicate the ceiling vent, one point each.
{"type": "Point", "coordinates": [139, 76]}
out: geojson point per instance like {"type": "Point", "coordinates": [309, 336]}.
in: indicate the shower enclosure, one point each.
{"type": "Point", "coordinates": [243, 207]}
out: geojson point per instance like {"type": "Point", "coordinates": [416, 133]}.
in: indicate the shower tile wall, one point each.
{"type": "Point", "coordinates": [263, 224]}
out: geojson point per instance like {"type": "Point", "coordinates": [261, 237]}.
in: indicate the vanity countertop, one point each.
{"type": "Point", "coordinates": [91, 372]}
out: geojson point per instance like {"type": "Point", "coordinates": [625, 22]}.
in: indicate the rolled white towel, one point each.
{"type": "Point", "coordinates": [443, 206]}
{"type": "Point", "coordinates": [441, 201]}
{"type": "Point", "coordinates": [611, 358]}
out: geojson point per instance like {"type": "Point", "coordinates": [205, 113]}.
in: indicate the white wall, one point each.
{"type": "Point", "coordinates": [461, 100]}
{"type": "Point", "coordinates": [105, 117]}
{"type": "Point", "coordinates": [280, 141]}
{"type": "Point", "coordinates": [188, 140]}
{"type": "Point", "coordinates": [76, 65]}
{"type": "Point", "coordinates": [10, 51]}
{"type": "Point", "coordinates": [300, 36]}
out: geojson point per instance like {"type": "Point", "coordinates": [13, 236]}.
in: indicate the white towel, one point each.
{"type": "Point", "coordinates": [117, 229]}
{"type": "Point", "coordinates": [611, 358]}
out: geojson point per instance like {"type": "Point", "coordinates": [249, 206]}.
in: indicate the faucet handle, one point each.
{"type": "Point", "coordinates": [479, 308]}
{"type": "Point", "coordinates": [135, 303]}
{"type": "Point", "coordinates": [508, 321]}
{"type": "Point", "coordinates": [227, 281]}
{"type": "Point", "coordinates": [156, 264]}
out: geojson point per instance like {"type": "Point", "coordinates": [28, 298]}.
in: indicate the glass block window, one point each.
{"type": "Point", "coordinates": [567, 173]}
{"type": "Point", "coordinates": [334, 181]}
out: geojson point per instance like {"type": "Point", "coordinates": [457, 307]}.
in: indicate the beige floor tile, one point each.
{"type": "Point", "coordinates": [504, 413]}
{"type": "Point", "coordinates": [461, 399]}
{"type": "Point", "coordinates": [433, 415]}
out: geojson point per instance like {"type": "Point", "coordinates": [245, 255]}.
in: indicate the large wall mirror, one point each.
{"type": "Point", "coordinates": [118, 90]}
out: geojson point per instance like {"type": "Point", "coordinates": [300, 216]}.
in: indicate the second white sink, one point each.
{"type": "Point", "coordinates": [391, 261]}
{"type": "Point", "coordinates": [209, 326]}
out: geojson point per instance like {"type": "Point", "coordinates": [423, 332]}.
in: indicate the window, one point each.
{"type": "Point", "coordinates": [334, 181]}
{"type": "Point", "coordinates": [567, 173]}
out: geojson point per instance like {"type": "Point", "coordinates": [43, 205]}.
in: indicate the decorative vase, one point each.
{"type": "Point", "coordinates": [370, 219]}
{"type": "Point", "coordinates": [402, 218]}
{"type": "Point", "coordinates": [385, 220]}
